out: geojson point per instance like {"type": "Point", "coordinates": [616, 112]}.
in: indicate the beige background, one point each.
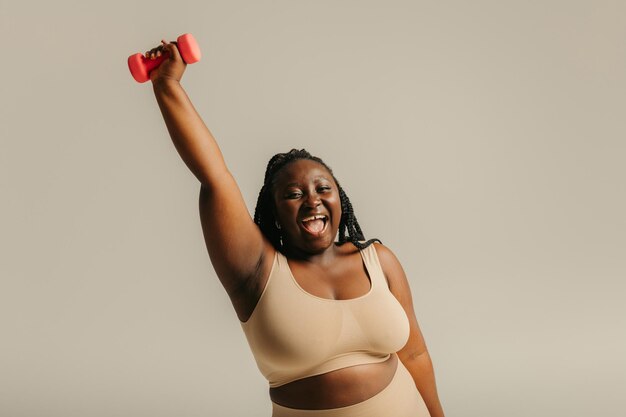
{"type": "Point", "coordinates": [483, 142]}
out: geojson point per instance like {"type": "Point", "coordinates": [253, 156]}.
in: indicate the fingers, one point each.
{"type": "Point", "coordinates": [158, 51]}
{"type": "Point", "coordinates": [153, 53]}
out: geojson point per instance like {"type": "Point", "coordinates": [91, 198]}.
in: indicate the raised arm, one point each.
{"type": "Point", "coordinates": [235, 244]}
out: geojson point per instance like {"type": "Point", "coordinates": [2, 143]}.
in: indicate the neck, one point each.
{"type": "Point", "coordinates": [320, 257]}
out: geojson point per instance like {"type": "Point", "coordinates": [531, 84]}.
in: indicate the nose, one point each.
{"type": "Point", "coordinates": [313, 199]}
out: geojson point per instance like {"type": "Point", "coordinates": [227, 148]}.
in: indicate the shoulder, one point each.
{"type": "Point", "coordinates": [388, 260]}
{"type": "Point", "coordinates": [392, 269]}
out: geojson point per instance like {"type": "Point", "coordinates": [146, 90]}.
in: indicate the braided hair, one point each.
{"type": "Point", "coordinates": [264, 215]}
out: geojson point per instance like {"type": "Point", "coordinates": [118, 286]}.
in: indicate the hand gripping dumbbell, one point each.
{"type": "Point", "coordinates": [140, 66]}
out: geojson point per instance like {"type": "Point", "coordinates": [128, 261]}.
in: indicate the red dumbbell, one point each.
{"type": "Point", "coordinates": [140, 66]}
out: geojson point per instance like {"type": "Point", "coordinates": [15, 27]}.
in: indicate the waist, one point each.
{"type": "Point", "coordinates": [338, 388]}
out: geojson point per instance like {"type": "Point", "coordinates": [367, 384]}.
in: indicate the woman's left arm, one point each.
{"type": "Point", "coordinates": [414, 355]}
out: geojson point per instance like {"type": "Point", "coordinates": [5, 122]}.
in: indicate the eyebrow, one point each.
{"type": "Point", "coordinates": [319, 177]}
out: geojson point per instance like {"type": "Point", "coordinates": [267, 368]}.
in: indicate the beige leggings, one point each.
{"type": "Point", "coordinates": [398, 399]}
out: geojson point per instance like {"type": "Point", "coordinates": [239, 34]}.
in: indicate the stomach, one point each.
{"type": "Point", "coordinates": [338, 388]}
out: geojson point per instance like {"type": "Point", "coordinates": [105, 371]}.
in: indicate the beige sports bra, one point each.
{"type": "Point", "coordinates": [294, 334]}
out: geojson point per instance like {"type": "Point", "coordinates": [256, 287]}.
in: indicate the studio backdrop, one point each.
{"type": "Point", "coordinates": [483, 142]}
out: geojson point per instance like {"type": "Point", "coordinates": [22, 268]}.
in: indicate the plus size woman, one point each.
{"type": "Point", "coordinates": [330, 323]}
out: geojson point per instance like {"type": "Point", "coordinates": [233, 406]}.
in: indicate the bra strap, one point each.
{"type": "Point", "coordinates": [373, 266]}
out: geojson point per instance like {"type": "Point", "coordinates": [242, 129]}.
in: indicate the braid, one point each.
{"type": "Point", "coordinates": [263, 213]}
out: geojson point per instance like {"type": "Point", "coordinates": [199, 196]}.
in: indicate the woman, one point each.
{"type": "Point", "coordinates": [331, 324]}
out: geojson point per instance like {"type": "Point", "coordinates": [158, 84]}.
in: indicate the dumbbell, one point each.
{"type": "Point", "coordinates": [140, 66]}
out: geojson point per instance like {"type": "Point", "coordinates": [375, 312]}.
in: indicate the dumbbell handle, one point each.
{"type": "Point", "coordinates": [140, 66]}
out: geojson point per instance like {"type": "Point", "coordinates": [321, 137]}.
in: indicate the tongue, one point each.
{"type": "Point", "coordinates": [314, 226]}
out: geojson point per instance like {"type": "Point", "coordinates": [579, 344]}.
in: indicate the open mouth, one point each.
{"type": "Point", "coordinates": [315, 226]}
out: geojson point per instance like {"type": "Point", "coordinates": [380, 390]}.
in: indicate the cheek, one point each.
{"type": "Point", "coordinates": [288, 212]}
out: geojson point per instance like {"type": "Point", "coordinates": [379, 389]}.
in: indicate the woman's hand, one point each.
{"type": "Point", "coordinates": [173, 65]}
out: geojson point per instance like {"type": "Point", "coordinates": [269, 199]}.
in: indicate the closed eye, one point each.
{"type": "Point", "coordinates": [292, 195]}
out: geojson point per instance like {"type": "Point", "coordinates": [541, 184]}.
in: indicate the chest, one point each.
{"type": "Point", "coordinates": [344, 280]}
{"type": "Point", "coordinates": [309, 314]}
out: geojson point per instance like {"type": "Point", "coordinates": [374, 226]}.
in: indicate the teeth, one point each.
{"type": "Point", "coordinates": [319, 216]}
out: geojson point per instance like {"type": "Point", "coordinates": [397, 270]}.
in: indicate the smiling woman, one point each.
{"type": "Point", "coordinates": [330, 323]}
{"type": "Point", "coordinates": [298, 186]}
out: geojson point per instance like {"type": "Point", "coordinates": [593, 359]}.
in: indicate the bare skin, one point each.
{"type": "Point", "coordinates": [243, 260]}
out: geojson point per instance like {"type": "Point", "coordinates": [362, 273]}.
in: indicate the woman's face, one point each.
{"type": "Point", "coordinates": [302, 189]}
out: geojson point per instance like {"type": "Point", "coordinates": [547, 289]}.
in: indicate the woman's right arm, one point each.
{"type": "Point", "coordinates": [235, 243]}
